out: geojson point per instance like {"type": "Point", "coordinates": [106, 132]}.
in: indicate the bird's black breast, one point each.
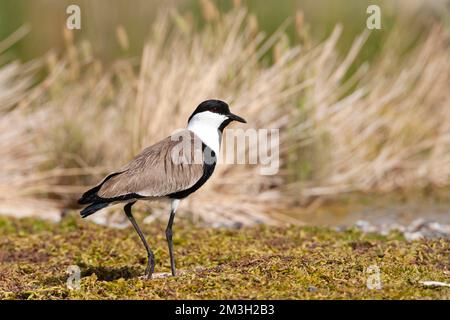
{"type": "Point", "coordinates": [209, 164]}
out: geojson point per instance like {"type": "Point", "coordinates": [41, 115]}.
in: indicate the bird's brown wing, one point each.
{"type": "Point", "coordinates": [167, 167]}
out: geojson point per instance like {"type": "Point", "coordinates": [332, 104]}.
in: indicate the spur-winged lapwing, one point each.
{"type": "Point", "coordinates": [171, 169]}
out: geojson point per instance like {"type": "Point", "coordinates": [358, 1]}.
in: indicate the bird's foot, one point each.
{"type": "Point", "coordinates": [150, 268]}
{"type": "Point", "coordinates": [148, 274]}
{"type": "Point", "coordinates": [162, 275]}
{"type": "Point", "coordinates": [146, 277]}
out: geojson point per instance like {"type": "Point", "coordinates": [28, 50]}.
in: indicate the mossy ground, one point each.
{"type": "Point", "coordinates": [250, 263]}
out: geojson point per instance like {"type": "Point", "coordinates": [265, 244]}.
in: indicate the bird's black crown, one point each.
{"type": "Point", "coordinates": [215, 106]}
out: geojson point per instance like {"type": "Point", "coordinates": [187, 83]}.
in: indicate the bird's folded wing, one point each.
{"type": "Point", "coordinates": [169, 166]}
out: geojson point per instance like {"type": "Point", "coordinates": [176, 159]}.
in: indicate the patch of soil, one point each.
{"type": "Point", "coordinates": [24, 256]}
{"type": "Point", "coordinates": [111, 274]}
{"type": "Point", "coordinates": [361, 245]}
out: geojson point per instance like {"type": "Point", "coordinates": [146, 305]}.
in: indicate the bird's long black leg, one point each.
{"type": "Point", "coordinates": [151, 258]}
{"type": "Point", "coordinates": [169, 240]}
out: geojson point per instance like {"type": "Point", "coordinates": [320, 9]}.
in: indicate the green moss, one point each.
{"type": "Point", "coordinates": [261, 262]}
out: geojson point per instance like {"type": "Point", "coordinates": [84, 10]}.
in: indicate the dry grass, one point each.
{"type": "Point", "coordinates": [391, 130]}
{"type": "Point", "coordinates": [387, 126]}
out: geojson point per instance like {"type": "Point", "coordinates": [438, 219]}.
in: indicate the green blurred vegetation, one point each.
{"type": "Point", "coordinates": [253, 263]}
{"type": "Point", "coordinates": [100, 19]}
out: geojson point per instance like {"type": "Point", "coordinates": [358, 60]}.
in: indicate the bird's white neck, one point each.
{"type": "Point", "coordinates": [206, 126]}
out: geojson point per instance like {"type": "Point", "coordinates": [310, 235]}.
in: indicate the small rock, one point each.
{"type": "Point", "coordinates": [441, 228]}
{"type": "Point", "coordinates": [365, 226]}
{"type": "Point", "coordinates": [341, 228]}
{"type": "Point", "coordinates": [410, 236]}
{"type": "Point", "coordinates": [416, 225]}
{"type": "Point", "coordinates": [312, 289]}
{"type": "Point", "coordinates": [417, 229]}
{"type": "Point", "coordinates": [227, 225]}
{"type": "Point", "coordinates": [435, 284]}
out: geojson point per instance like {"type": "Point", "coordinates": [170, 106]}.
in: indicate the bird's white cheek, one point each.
{"type": "Point", "coordinates": [206, 126]}
{"type": "Point", "coordinates": [209, 135]}
{"type": "Point", "coordinates": [209, 119]}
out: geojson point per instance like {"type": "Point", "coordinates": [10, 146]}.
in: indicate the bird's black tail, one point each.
{"type": "Point", "coordinates": [90, 196]}
{"type": "Point", "coordinates": [93, 208]}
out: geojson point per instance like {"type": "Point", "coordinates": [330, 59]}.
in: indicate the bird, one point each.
{"type": "Point", "coordinates": [172, 169]}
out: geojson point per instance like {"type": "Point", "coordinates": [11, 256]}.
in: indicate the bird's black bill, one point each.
{"type": "Point", "coordinates": [236, 118]}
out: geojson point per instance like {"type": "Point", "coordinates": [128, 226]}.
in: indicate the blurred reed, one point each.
{"type": "Point", "coordinates": [386, 126]}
